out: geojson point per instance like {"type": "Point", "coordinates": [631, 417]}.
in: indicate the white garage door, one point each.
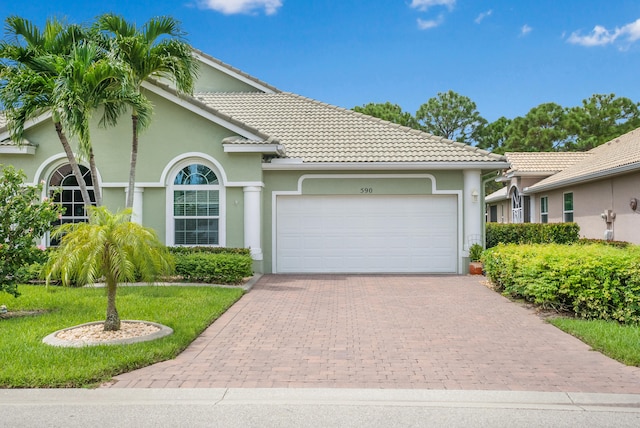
{"type": "Point", "coordinates": [367, 233]}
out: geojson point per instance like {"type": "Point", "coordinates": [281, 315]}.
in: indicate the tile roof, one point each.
{"type": "Point", "coordinates": [319, 132]}
{"type": "Point", "coordinates": [614, 157]}
{"type": "Point", "coordinates": [545, 163]}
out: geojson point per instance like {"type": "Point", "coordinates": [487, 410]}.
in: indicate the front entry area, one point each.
{"type": "Point", "coordinates": [366, 234]}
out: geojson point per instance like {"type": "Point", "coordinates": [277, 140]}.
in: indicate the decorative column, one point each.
{"type": "Point", "coordinates": [136, 215]}
{"type": "Point", "coordinates": [253, 221]}
{"type": "Point", "coordinates": [472, 208]}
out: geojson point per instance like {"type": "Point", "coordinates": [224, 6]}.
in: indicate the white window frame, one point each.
{"type": "Point", "coordinates": [171, 187]}
{"type": "Point", "coordinates": [544, 215]}
{"type": "Point", "coordinates": [566, 211]}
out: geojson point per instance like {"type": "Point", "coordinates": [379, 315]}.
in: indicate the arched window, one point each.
{"type": "Point", "coordinates": [68, 194]}
{"type": "Point", "coordinates": [196, 206]}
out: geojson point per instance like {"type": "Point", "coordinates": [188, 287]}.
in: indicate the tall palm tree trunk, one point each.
{"type": "Point", "coordinates": [97, 192]}
{"type": "Point", "coordinates": [134, 160]}
{"type": "Point", "coordinates": [74, 164]}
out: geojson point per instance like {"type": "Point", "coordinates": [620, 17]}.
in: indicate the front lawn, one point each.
{"type": "Point", "coordinates": [617, 341]}
{"type": "Point", "coordinates": [26, 362]}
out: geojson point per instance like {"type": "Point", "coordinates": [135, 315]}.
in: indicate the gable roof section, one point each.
{"type": "Point", "coordinates": [541, 163]}
{"type": "Point", "coordinates": [234, 72]}
{"type": "Point", "coordinates": [618, 156]}
{"type": "Point", "coordinates": [321, 133]}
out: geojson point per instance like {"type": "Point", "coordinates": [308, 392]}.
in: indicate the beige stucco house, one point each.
{"type": "Point", "coordinates": [307, 186]}
{"type": "Point", "coordinates": [598, 189]}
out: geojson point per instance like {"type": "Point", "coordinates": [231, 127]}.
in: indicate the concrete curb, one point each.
{"type": "Point", "coordinates": [565, 401]}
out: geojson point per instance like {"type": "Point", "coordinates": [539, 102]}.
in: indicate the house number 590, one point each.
{"type": "Point", "coordinates": [366, 190]}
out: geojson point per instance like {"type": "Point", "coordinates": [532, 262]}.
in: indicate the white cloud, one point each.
{"type": "Point", "coordinates": [600, 36]}
{"type": "Point", "coordinates": [483, 15]}
{"type": "Point", "coordinates": [430, 23]}
{"type": "Point", "coordinates": [426, 4]}
{"type": "Point", "coordinates": [231, 7]}
{"type": "Point", "coordinates": [525, 30]}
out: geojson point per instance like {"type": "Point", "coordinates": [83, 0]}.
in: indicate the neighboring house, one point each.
{"type": "Point", "coordinates": [509, 204]}
{"type": "Point", "coordinates": [498, 206]}
{"type": "Point", "coordinates": [307, 186]}
{"type": "Point", "coordinates": [598, 189]}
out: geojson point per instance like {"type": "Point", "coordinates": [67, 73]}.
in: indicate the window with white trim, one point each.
{"type": "Point", "coordinates": [196, 206]}
{"type": "Point", "coordinates": [69, 196]}
{"type": "Point", "coordinates": [544, 209]}
{"type": "Point", "coordinates": [568, 207]}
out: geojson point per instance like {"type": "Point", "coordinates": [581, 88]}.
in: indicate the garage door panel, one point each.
{"type": "Point", "coordinates": [369, 233]}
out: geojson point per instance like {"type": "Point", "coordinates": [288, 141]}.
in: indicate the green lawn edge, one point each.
{"type": "Point", "coordinates": [26, 362]}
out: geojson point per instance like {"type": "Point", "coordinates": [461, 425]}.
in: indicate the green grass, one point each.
{"type": "Point", "coordinates": [618, 341]}
{"type": "Point", "coordinates": [26, 362]}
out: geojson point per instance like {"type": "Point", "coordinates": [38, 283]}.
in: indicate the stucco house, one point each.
{"type": "Point", "coordinates": [307, 186]}
{"type": "Point", "coordinates": [598, 189]}
{"type": "Point", "coordinates": [510, 204]}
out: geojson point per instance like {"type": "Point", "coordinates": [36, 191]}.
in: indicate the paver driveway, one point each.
{"type": "Point", "coordinates": [377, 331]}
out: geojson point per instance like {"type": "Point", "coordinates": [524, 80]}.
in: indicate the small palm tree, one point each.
{"type": "Point", "coordinates": [109, 246]}
{"type": "Point", "coordinates": [154, 51]}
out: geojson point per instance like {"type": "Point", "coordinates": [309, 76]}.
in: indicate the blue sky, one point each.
{"type": "Point", "coordinates": [507, 56]}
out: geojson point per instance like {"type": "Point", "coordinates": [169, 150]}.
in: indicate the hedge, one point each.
{"type": "Point", "coordinates": [204, 266]}
{"type": "Point", "coordinates": [593, 281]}
{"type": "Point", "coordinates": [531, 233]}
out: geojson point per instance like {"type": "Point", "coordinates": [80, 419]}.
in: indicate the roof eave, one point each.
{"type": "Point", "coordinates": [582, 179]}
{"type": "Point", "coordinates": [412, 166]}
{"type": "Point", "coordinates": [18, 150]}
{"type": "Point", "coordinates": [276, 149]}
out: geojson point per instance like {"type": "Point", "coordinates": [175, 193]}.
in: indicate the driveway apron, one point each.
{"type": "Point", "coordinates": [383, 331]}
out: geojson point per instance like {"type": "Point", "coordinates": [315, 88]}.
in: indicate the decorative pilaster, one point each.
{"type": "Point", "coordinates": [472, 208]}
{"type": "Point", "coordinates": [253, 221]}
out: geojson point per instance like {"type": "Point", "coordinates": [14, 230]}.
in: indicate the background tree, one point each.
{"type": "Point", "coordinates": [391, 112]}
{"type": "Point", "coordinates": [542, 129]}
{"type": "Point", "coordinates": [30, 61]}
{"type": "Point", "coordinates": [601, 118]}
{"type": "Point", "coordinates": [156, 50]}
{"type": "Point", "coordinates": [22, 220]}
{"type": "Point", "coordinates": [109, 246]}
{"type": "Point", "coordinates": [452, 116]}
{"type": "Point", "coordinates": [493, 136]}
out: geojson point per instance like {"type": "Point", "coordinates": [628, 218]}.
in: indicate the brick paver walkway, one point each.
{"type": "Point", "coordinates": [360, 331]}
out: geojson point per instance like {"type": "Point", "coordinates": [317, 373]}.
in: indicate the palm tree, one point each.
{"type": "Point", "coordinates": [28, 68]}
{"type": "Point", "coordinates": [155, 51]}
{"type": "Point", "coordinates": [88, 80]}
{"type": "Point", "coordinates": [109, 246]}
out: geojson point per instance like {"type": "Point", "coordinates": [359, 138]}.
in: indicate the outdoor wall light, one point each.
{"type": "Point", "coordinates": [633, 203]}
{"type": "Point", "coordinates": [474, 195]}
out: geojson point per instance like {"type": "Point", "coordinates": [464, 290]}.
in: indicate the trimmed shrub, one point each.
{"type": "Point", "coordinates": [209, 267]}
{"type": "Point", "coordinates": [593, 281]}
{"type": "Point", "coordinates": [531, 233]}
